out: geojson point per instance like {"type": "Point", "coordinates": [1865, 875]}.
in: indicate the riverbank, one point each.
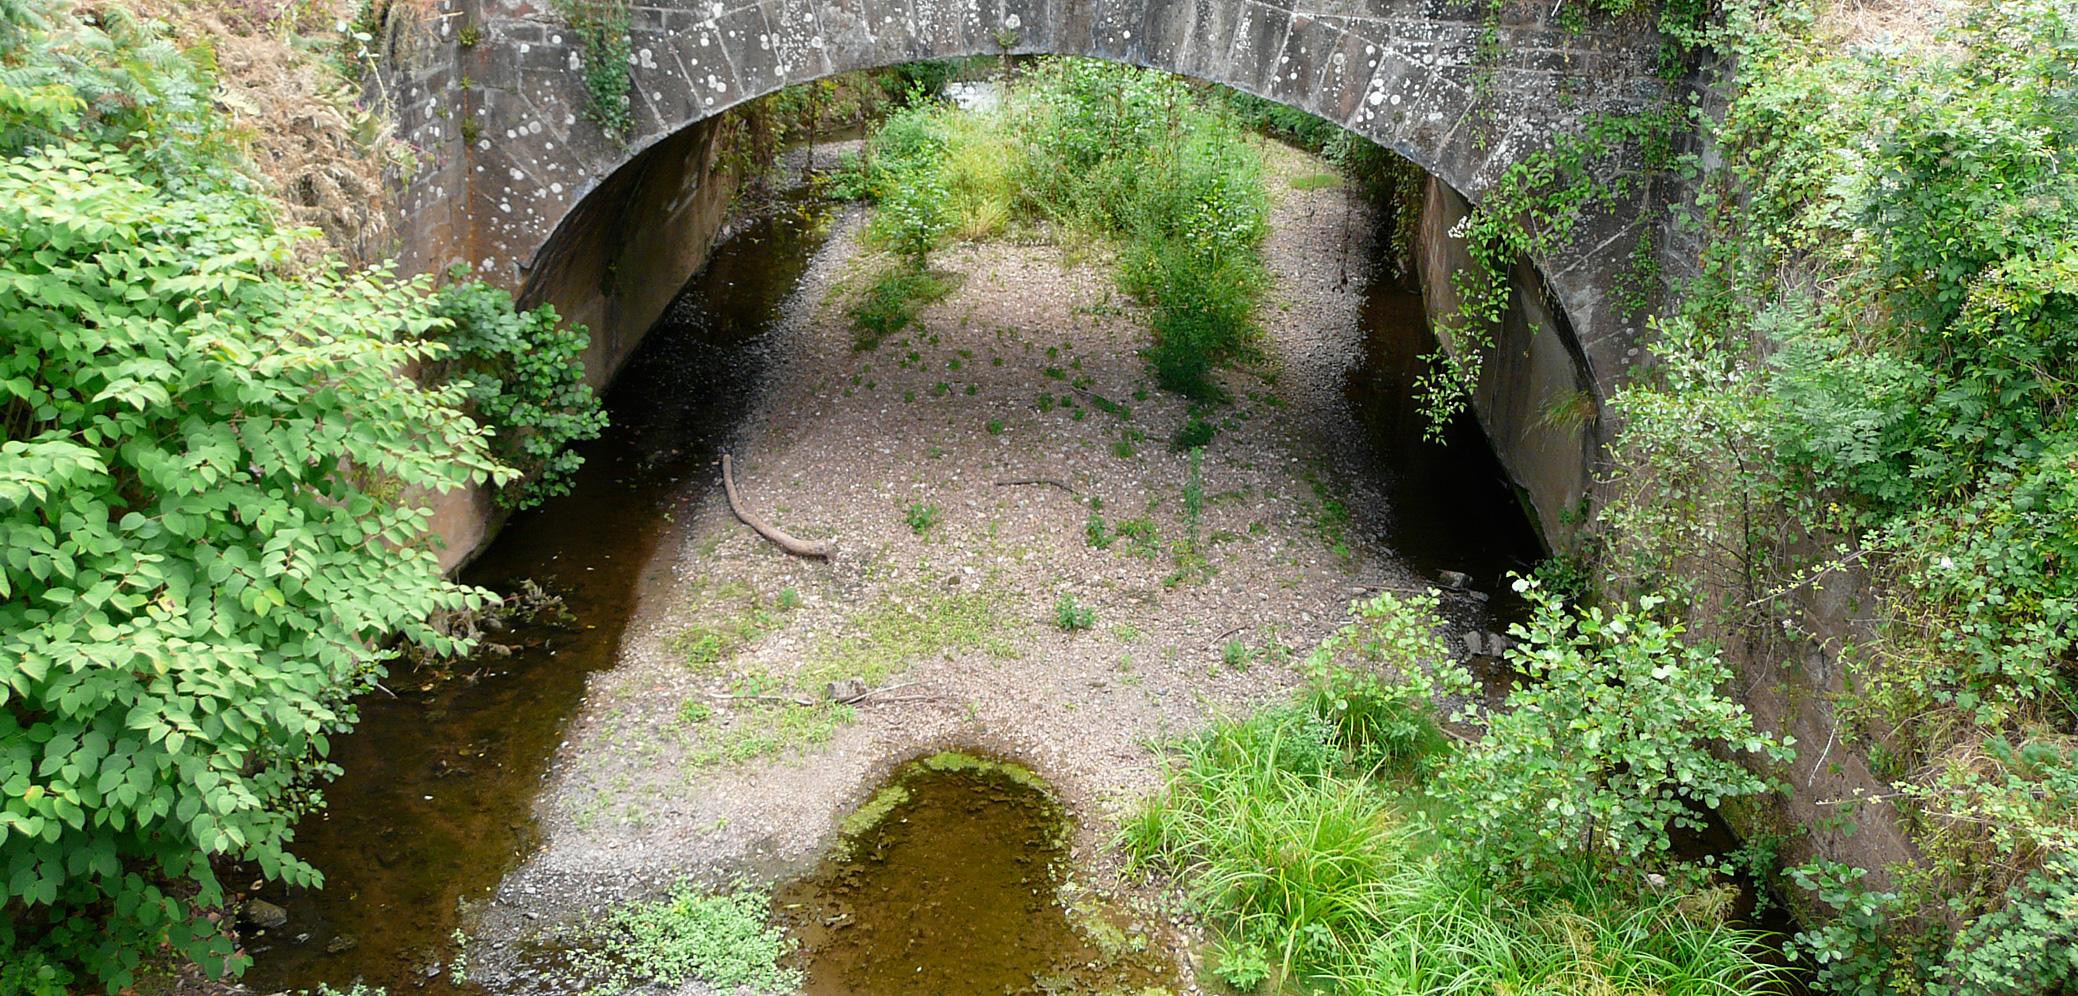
{"type": "Point", "coordinates": [949, 580]}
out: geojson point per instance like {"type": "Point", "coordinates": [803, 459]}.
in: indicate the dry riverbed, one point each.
{"type": "Point", "coordinates": [957, 468]}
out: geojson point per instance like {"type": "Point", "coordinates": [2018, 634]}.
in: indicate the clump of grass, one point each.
{"type": "Point", "coordinates": [723, 939]}
{"type": "Point", "coordinates": [1072, 617]}
{"type": "Point", "coordinates": [892, 302]}
{"type": "Point", "coordinates": [881, 640]}
{"type": "Point", "coordinates": [1316, 181]}
{"type": "Point", "coordinates": [921, 517]}
{"type": "Point", "coordinates": [994, 427]}
{"type": "Point", "coordinates": [1314, 869]}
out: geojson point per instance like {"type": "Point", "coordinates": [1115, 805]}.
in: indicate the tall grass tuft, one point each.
{"type": "Point", "coordinates": [1096, 153]}
{"type": "Point", "coordinates": [1335, 879]}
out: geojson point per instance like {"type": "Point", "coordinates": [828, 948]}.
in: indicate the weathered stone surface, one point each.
{"type": "Point", "coordinates": [1405, 73]}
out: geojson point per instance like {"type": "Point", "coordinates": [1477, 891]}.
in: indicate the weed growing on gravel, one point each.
{"type": "Point", "coordinates": [1071, 617]}
{"type": "Point", "coordinates": [1331, 522]}
{"type": "Point", "coordinates": [765, 729]}
{"type": "Point", "coordinates": [1094, 529]}
{"type": "Point", "coordinates": [921, 517]}
{"type": "Point", "coordinates": [994, 427]}
{"type": "Point", "coordinates": [1140, 536]}
{"type": "Point", "coordinates": [1195, 433]}
{"type": "Point", "coordinates": [722, 632]}
{"type": "Point", "coordinates": [891, 303]}
{"type": "Point", "coordinates": [725, 940]}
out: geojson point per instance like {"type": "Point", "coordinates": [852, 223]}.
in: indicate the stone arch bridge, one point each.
{"type": "Point", "coordinates": [518, 182]}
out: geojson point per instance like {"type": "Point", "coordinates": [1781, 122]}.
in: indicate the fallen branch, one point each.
{"type": "Point", "coordinates": [798, 547]}
{"type": "Point", "coordinates": [1039, 480]}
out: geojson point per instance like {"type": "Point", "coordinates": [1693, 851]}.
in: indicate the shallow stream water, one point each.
{"type": "Point", "coordinates": [950, 880]}
{"type": "Point", "coordinates": [436, 803]}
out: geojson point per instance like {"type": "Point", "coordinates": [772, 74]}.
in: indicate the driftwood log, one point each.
{"type": "Point", "coordinates": [791, 544]}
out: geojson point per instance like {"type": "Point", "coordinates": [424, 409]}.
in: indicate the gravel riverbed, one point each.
{"type": "Point", "coordinates": [844, 444]}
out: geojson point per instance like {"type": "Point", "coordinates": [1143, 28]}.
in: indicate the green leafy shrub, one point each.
{"type": "Point", "coordinates": [1851, 952]}
{"type": "Point", "coordinates": [212, 497]}
{"type": "Point", "coordinates": [204, 499]}
{"type": "Point", "coordinates": [1610, 740]}
{"type": "Point", "coordinates": [1378, 678]}
{"type": "Point", "coordinates": [523, 373]}
{"type": "Point", "coordinates": [1874, 372]}
{"type": "Point", "coordinates": [2029, 945]}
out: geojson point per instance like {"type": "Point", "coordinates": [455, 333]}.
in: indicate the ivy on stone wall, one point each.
{"type": "Point", "coordinates": [602, 26]}
{"type": "Point", "coordinates": [1533, 209]}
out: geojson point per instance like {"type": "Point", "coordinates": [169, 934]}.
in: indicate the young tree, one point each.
{"type": "Point", "coordinates": [1611, 737]}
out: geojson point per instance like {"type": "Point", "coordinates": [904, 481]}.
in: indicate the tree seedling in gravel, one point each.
{"type": "Point", "coordinates": [1071, 617]}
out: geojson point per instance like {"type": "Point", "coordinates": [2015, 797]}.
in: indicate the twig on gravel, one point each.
{"type": "Point", "coordinates": [847, 700]}
{"type": "Point", "coordinates": [797, 547]}
{"type": "Point", "coordinates": [1039, 480]}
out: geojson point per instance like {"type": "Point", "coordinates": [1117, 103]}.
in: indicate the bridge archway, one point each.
{"type": "Point", "coordinates": [527, 188]}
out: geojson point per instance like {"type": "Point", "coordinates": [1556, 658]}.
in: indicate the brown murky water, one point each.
{"type": "Point", "coordinates": [436, 803]}
{"type": "Point", "coordinates": [950, 880]}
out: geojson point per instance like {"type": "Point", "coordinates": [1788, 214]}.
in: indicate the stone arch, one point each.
{"type": "Point", "coordinates": [516, 162]}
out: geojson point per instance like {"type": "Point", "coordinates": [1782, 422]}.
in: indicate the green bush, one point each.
{"type": "Point", "coordinates": [1612, 737]}
{"type": "Point", "coordinates": [213, 490]}
{"type": "Point", "coordinates": [523, 374]}
{"type": "Point", "coordinates": [1377, 680]}
{"type": "Point", "coordinates": [2029, 945]}
{"type": "Point", "coordinates": [1875, 371]}
{"type": "Point", "coordinates": [205, 499]}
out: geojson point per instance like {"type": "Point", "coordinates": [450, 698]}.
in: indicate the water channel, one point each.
{"type": "Point", "coordinates": [435, 805]}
